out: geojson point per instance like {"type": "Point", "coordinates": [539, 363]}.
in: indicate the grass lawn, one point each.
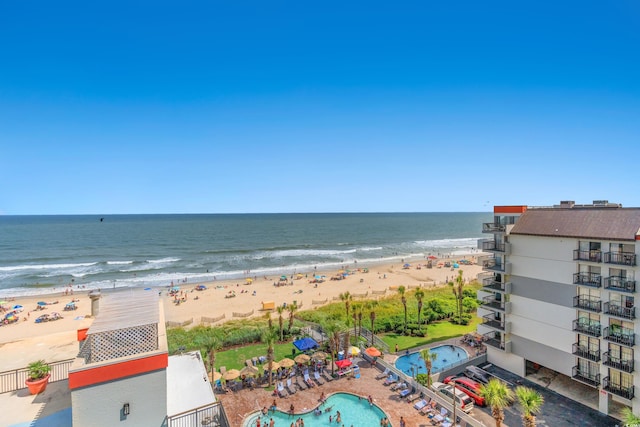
{"type": "Point", "coordinates": [234, 358]}
{"type": "Point", "coordinates": [435, 332]}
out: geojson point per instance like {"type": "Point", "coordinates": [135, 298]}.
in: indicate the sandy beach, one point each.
{"type": "Point", "coordinates": [57, 340]}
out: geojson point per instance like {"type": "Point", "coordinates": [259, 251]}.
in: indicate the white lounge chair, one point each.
{"type": "Point", "coordinates": [290, 387]}
{"type": "Point", "coordinates": [383, 374]}
{"type": "Point", "coordinates": [319, 380]}
{"type": "Point", "coordinates": [281, 391]}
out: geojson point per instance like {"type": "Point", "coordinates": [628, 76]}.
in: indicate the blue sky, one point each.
{"type": "Point", "coordinates": [207, 107]}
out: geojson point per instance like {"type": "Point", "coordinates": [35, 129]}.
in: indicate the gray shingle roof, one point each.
{"type": "Point", "coordinates": [621, 224]}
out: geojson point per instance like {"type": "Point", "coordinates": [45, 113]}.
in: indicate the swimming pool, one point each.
{"type": "Point", "coordinates": [447, 356]}
{"type": "Point", "coordinates": [355, 411]}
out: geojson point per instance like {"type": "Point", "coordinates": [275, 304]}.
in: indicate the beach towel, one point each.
{"type": "Point", "coordinates": [421, 404]}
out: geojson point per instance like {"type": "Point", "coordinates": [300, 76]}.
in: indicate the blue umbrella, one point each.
{"type": "Point", "coordinates": [147, 289]}
{"type": "Point", "coordinates": [41, 303]}
{"type": "Point", "coordinates": [17, 307]}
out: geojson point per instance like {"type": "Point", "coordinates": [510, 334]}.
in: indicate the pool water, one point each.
{"type": "Point", "coordinates": [354, 411]}
{"type": "Point", "coordinates": [447, 356]}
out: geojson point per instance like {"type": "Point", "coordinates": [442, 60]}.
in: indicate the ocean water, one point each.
{"type": "Point", "coordinates": [42, 254]}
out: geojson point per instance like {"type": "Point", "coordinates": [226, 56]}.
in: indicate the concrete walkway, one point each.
{"type": "Point", "coordinates": [52, 408]}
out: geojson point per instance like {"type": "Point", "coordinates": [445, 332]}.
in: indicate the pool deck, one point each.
{"type": "Point", "coordinates": [239, 404]}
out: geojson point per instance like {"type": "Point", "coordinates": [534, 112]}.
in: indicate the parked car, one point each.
{"type": "Point", "coordinates": [477, 374]}
{"type": "Point", "coordinates": [464, 402]}
{"type": "Point", "coordinates": [470, 387]}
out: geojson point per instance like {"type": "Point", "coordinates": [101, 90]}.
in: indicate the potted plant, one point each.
{"type": "Point", "coordinates": [38, 376]}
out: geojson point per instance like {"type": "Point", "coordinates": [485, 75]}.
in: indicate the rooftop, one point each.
{"type": "Point", "coordinates": [189, 386]}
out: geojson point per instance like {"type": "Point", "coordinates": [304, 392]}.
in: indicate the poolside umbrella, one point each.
{"type": "Point", "coordinates": [249, 371]}
{"type": "Point", "coordinates": [216, 376]}
{"type": "Point", "coordinates": [286, 362]}
{"type": "Point", "coordinates": [302, 359]}
{"type": "Point", "coordinates": [231, 374]}
{"type": "Point", "coordinates": [354, 351]}
{"type": "Point", "coordinates": [373, 352]}
{"type": "Point", "coordinates": [343, 363]}
{"type": "Point", "coordinates": [319, 355]}
{"type": "Point", "coordinates": [274, 366]}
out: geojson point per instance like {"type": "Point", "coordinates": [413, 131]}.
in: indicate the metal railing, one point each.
{"type": "Point", "coordinates": [14, 380]}
{"type": "Point", "coordinates": [618, 283]}
{"type": "Point", "coordinates": [593, 256]}
{"type": "Point", "coordinates": [587, 279]}
{"type": "Point", "coordinates": [207, 415]}
{"type": "Point", "coordinates": [587, 303]}
{"type": "Point", "coordinates": [621, 258]}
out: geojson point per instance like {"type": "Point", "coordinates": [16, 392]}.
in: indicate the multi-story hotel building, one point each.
{"type": "Point", "coordinates": [559, 292]}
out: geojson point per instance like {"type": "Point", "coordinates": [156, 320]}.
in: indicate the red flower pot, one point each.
{"type": "Point", "coordinates": [37, 386]}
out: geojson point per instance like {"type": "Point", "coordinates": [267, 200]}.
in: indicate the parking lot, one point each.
{"type": "Point", "coordinates": [557, 409]}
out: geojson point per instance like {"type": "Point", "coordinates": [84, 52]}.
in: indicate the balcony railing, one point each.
{"type": "Point", "coordinates": [583, 376]}
{"type": "Point", "coordinates": [492, 322]}
{"type": "Point", "coordinates": [587, 279]}
{"type": "Point", "coordinates": [593, 329]}
{"type": "Point", "coordinates": [490, 227]}
{"type": "Point", "coordinates": [492, 302]}
{"type": "Point", "coordinates": [493, 265]}
{"type": "Point", "coordinates": [493, 246]}
{"type": "Point", "coordinates": [491, 283]}
{"type": "Point", "coordinates": [592, 256]}
{"type": "Point", "coordinates": [497, 343]}
{"type": "Point", "coordinates": [619, 311]}
{"type": "Point", "coordinates": [617, 283]}
{"type": "Point", "coordinates": [627, 392]}
{"type": "Point", "coordinates": [622, 336]}
{"type": "Point", "coordinates": [621, 258]}
{"type": "Point", "coordinates": [587, 303]}
{"type": "Point", "coordinates": [584, 352]}
{"type": "Point", "coordinates": [625, 365]}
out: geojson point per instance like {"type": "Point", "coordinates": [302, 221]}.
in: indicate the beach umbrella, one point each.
{"type": "Point", "coordinates": [41, 303]}
{"type": "Point", "coordinates": [407, 265]}
{"type": "Point", "coordinates": [283, 277]}
{"type": "Point", "coordinates": [431, 257]}
{"type": "Point", "coordinates": [147, 289]}
{"type": "Point", "coordinates": [319, 355]}
{"type": "Point", "coordinates": [343, 363]}
{"type": "Point", "coordinates": [17, 307]}
{"type": "Point", "coordinates": [3, 302]}
{"type": "Point", "coordinates": [249, 280]}
{"type": "Point", "coordinates": [231, 374]}
{"type": "Point", "coordinates": [354, 351]}
{"type": "Point", "coordinates": [373, 352]}
{"type": "Point", "coordinates": [249, 371]}
{"type": "Point", "coordinates": [274, 366]}
{"type": "Point", "coordinates": [302, 359]}
{"type": "Point", "coordinates": [286, 362]}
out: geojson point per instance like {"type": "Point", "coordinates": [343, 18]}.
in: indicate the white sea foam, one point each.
{"type": "Point", "coordinates": [119, 262]}
{"type": "Point", "coordinates": [167, 260]}
{"type": "Point", "coordinates": [44, 266]}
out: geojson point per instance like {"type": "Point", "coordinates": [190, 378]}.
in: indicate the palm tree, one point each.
{"type": "Point", "coordinates": [346, 297]}
{"type": "Point", "coordinates": [269, 337]}
{"type": "Point", "coordinates": [531, 401]}
{"type": "Point", "coordinates": [360, 320]}
{"type": "Point", "coordinates": [280, 309]}
{"type": "Point", "coordinates": [629, 418]}
{"type": "Point", "coordinates": [332, 329]}
{"type": "Point", "coordinates": [419, 296]}
{"type": "Point", "coordinates": [354, 315]}
{"type": "Point", "coordinates": [292, 310]}
{"type": "Point", "coordinates": [498, 396]}
{"type": "Point", "coordinates": [401, 291]}
{"type": "Point", "coordinates": [267, 317]}
{"type": "Point", "coordinates": [372, 317]}
{"type": "Point", "coordinates": [457, 291]}
{"type": "Point", "coordinates": [210, 343]}
{"type": "Point", "coordinates": [428, 357]}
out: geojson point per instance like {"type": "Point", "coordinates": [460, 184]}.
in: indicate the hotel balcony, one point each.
{"type": "Point", "coordinates": [620, 284]}
{"type": "Point", "coordinates": [592, 256]}
{"type": "Point", "coordinates": [497, 304]}
{"type": "Point", "coordinates": [490, 227]}
{"type": "Point", "coordinates": [587, 279]}
{"type": "Point", "coordinates": [585, 353]}
{"type": "Point", "coordinates": [619, 311]}
{"type": "Point", "coordinates": [492, 265]}
{"type": "Point", "coordinates": [500, 325]}
{"type": "Point", "coordinates": [490, 284]}
{"type": "Point", "coordinates": [586, 303]}
{"type": "Point", "coordinates": [617, 389]}
{"type": "Point", "coordinates": [497, 343]}
{"type": "Point", "coordinates": [493, 246]}
{"type": "Point", "coordinates": [620, 258]}
{"type": "Point", "coordinates": [585, 377]}
{"type": "Point", "coordinates": [625, 365]}
{"type": "Point", "coordinates": [593, 329]}
{"type": "Point", "coordinates": [618, 335]}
